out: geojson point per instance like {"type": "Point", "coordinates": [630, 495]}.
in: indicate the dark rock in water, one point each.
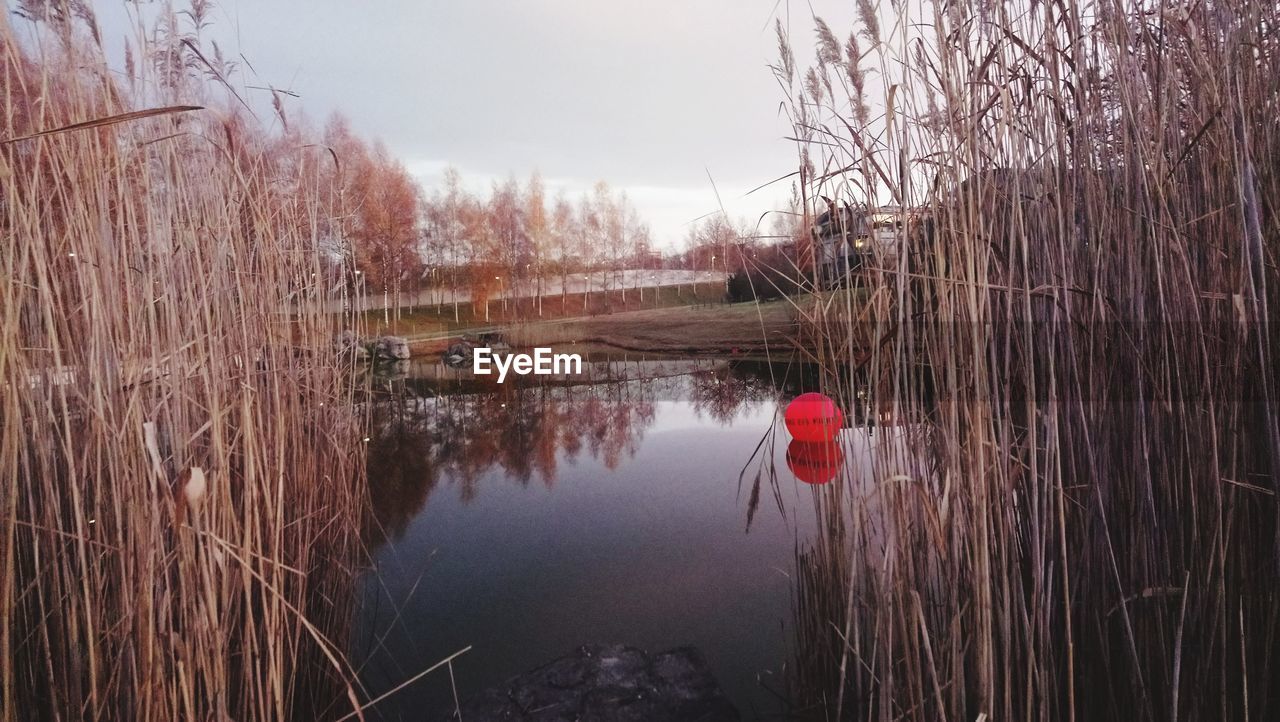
{"type": "Point", "coordinates": [608, 684]}
{"type": "Point", "coordinates": [391, 370]}
{"type": "Point", "coordinates": [458, 354]}
{"type": "Point", "coordinates": [495, 341]}
{"type": "Point", "coordinates": [391, 348]}
{"type": "Point", "coordinates": [348, 343]}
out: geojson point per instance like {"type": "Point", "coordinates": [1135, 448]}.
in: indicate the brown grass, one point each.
{"type": "Point", "coordinates": [720, 329]}
{"type": "Point", "coordinates": [146, 273]}
{"type": "Point", "coordinates": [1081, 332]}
{"type": "Point", "coordinates": [444, 318]}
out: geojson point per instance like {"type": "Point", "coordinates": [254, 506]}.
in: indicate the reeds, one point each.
{"type": "Point", "coordinates": [1081, 326]}
{"type": "Point", "coordinates": [162, 322]}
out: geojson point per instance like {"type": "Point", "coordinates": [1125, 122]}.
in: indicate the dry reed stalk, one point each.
{"type": "Point", "coordinates": [1082, 335]}
{"type": "Point", "coordinates": [162, 317]}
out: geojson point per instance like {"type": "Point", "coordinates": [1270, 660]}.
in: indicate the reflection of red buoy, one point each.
{"type": "Point", "coordinates": [813, 417]}
{"type": "Point", "coordinates": [814, 462]}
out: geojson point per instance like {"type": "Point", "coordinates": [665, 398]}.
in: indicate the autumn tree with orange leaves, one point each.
{"type": "Point", "coordinates": [385, 228]}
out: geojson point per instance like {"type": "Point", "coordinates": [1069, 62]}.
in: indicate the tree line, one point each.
{"type": "Point", "coordinates": [520, 238]}
{"type": "Point", "coordinates": [396, 237]}
{"type": "Point", "coordinates": [392, 236]}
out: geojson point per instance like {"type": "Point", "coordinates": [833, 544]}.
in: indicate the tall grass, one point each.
{"type": "Point", "coordinates": [1081, 331]}
{"type": "Point", "coordinates": [181, 464]}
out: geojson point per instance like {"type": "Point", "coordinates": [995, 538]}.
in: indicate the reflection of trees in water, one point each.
{"type": "Point", "coordinates": [724, 392]}
{"type": "Point", "coordinates": [417, 442]}
{"type": "Point", "coordinates": [525, 431]}
{"type": "Point", "coordinates": [402, 468]}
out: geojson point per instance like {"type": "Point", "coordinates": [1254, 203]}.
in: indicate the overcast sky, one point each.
{"type": "Point", "coordinates": [653, 97]}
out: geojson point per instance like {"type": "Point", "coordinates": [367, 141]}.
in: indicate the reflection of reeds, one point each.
{"type": "Point", "coordinates": [821, 584]}
{"type": "Point", "coordinates": [1082, 321]}
{"type": "Point", "coordinates": [147, 272]}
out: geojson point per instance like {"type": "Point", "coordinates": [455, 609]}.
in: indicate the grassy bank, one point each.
{"type": "Point", "coordinates": [722, 329]}
{"type": "Point", "coordinates": [673, 326]}
{"type": "Point", "coordinates": [182, 469]}
{"type": "Point", "coordinates": [444, 319]}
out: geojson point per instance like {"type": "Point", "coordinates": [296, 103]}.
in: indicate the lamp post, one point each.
{"type": "Point", "coordinates": [360, 290]}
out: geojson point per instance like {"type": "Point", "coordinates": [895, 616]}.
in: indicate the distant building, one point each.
{"type": "Point", "coordinates": [649, 259]}
{"type": "Point", "coordinates": [835, 235]}
{"type": "Point", "coordinates": [846, 239]}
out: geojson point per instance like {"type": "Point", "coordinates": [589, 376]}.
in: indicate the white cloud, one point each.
{"type": "Point", "coordinates": [649, 97]}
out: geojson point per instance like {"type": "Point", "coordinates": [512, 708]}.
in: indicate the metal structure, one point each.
{"type": "Point", "coordinates": [847, 239]}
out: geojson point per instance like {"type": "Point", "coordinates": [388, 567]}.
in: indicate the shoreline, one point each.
{"type": "Point", "coordinates": [726, 329]}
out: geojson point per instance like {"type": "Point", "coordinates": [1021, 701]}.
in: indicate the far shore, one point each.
{"type": "Point", "coordinates": [722, 329]}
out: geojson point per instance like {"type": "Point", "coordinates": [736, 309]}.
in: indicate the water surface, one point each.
{"type": "Point", "coordinates": [525, 520]}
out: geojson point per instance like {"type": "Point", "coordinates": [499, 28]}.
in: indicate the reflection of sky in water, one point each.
{"type": "Point", "coordinates": [651, 553]}
{"type": "Point", "coordinates": [681, 415]}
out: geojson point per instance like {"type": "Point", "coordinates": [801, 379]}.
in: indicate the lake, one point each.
{"type": "Point", "coordinates": [647, 502]}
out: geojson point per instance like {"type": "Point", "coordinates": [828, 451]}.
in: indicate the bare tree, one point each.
{"type": "Point", "coordinates": [510, 242]}
{"type": "Point", "coordinates": [588, 237]}
{"type": "Point", "coordinates": [385, 224]}
{"type": "Point", "coordinates": [537, 230]}
{"type": "Point", "coordinates": [564, 229]}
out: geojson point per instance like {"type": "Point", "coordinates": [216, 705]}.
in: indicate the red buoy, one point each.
{"type": "Point", "coordinates": [813, 417]}
{"type": "Point", "coordinates": [814, 462]}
